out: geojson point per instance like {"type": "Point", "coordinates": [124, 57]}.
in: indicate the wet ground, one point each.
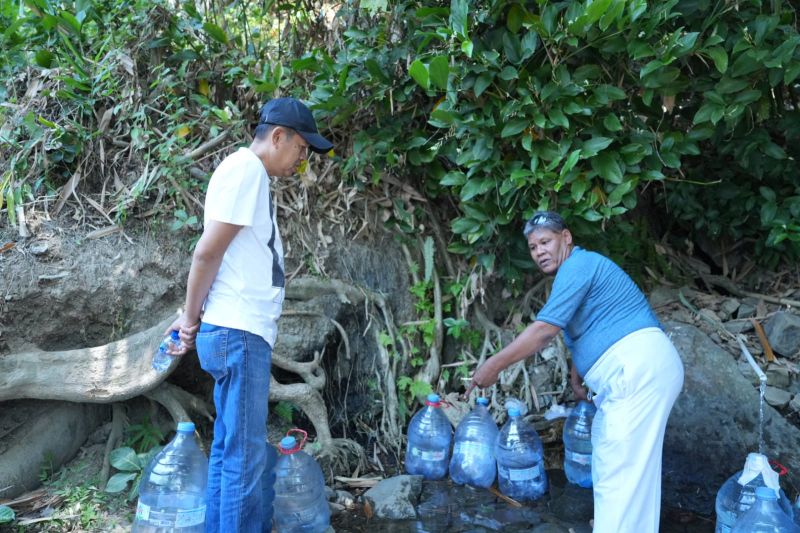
{"type": "Point", "coordinates": [448, 508]}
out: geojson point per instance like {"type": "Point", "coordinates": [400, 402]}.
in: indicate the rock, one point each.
{"type": "Point", "coordinates": [776, 397]}
{"type": "Point", "coordinates": [738, 325]}
{"type": "Point", "coordinates": [728, 308]}
{"type": "Point", "coordinates": [395, 498]}
{"type": "Point", "coordinates": [718, 407]}
{"type": "Point", "coordinates": [747, 308]}
{"type": "Point", "coordinates": [661, 296]}
{"type": "Point", "coordinates": [342, 497]}
{"type": "Point", "coordinates": [778, 376]}
{"type": "Point", "coordinates": [794, 405]}
{"type": "Point", "coordinates": [783, 333]}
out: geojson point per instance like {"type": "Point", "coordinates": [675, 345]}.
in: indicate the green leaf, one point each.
{"type": "Point", "coordinates": [427, 254]}
{"type": "Point", "coordinates": [558, 118]}
{"type": "Point", "coordinates": [439, 71]}
{"type": "Point", "coordinates": [774, 151]}
{"type": "Point", "coordinates": [528, 43]}
{"type": "Point", "coordinates": [605, 93]}
{"type": "Point", "coordinates": [119, 481]}
{"type": "Point", "coordinates": [516, 14]}
{"type": "Point", "coordinates": [473, 187]}
{"type": "Point", "coordinates": [595, 145]}
{"type": "Point", "coordinates": [125, 459]}
{"type": "Point", "coordinates": [596, 9]}
{"type": "Point", "coordinates": [514, 127]}
{"type": "Point", "coordinates": [767, 193]}
{"type": "Point", "coordinates": [466, 47]}
{"type": "Point", "coordinates": [607, 166]}
{"type": "Point", "coordinates": [612, 123]}
{"type": "Point", "coordinates": [483, 81]}
{"type": "Point", "coordinates": [454, 178]}
{"type": "Point", "coordinates": [419, 72]}
{"type": "Point", "coordinates": [6, 514]}
{"type": "Point", "coordinates": [720, 58]}
{"type": "Point", "coordinates": [215, 32]}
{"type": "Point", "coordinates": [459, 9]}
{"type": "Point", "coordinates": [570, 162]}
{"type": "Point", "coordinates": [768, 211]}
{"type": "Point", "coordinates": [465, 225]}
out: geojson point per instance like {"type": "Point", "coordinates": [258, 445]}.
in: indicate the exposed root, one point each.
{"type": "Point", "coordinates": [114, 437]}
{"type": "Point", "coordinates": [178, 402]}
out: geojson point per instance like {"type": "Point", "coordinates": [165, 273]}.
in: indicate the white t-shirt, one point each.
{"type": "Point", "coordinates": [248, 291]}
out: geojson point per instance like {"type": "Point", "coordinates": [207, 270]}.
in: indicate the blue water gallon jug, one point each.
{"type": "Point", "coordinates": [578, 444]}
{"type": "Point", "coordinates": [300, 502]}
{"type": "Point", "coordinates": [765, 515]}
{"type": "Point", "coordinates": [429, 436]}
{"type": "Point", "coordinates": [268, 485]}
{"type": "Point", "coordinates": [473, 461]}
{"type": "Point", "coordinates": [520, 459]}
{"type": "Point", "coordinates": [172, 493]}
{"type": "Point", "coordinates": [737, 494]}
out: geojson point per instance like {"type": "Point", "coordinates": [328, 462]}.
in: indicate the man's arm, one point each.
{"type": "Point", "coordinates": [207, 258]}
{"type": "Point", "coordinates": [534, 338]}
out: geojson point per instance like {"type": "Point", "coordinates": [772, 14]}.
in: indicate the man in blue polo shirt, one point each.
{"type": "Point", "coordinates": [619, 350]}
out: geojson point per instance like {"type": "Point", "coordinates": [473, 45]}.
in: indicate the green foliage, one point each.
{"type": "Point", "coordinates": [85, 501]}
{"type": "Point", "coordinates": [144, 436]}
{"type": "Point", "coordinates": [284, 410]}
{"type": "Point", "coordinates": [130, 466]}
{"type": "Point", "coordinates": [579, 107]}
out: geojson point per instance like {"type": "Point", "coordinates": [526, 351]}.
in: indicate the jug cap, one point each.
{"type": "Point", "coordinates": [185, 427]}
{"type": "Point", "coordinates": [482, 401]}
{"type": "Point", "coordinates": [287, 443]}
{"type": "Point", "coordinates": [756, 464]}
{"type": "Point", "coordinates": [513, 411]}
{"type": "Point", "coordinates": [766, 493]}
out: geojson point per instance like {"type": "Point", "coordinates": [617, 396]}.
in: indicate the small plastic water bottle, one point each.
{"type": "Point", "coordinates": [429, 437]}
{"type": "Point", "coordinates": [300, 504]}
{"type": "Point", "coordinates": [578, 444]}
{"type": "Point", "coordinates": [737, 494]}
{"type": "Point", "coordinates": [172, 493]}
{"type": "Point", "coordinates": [268, 485]}
{"type": "Point", "coordinates": [520, 459]}
{"type": "Point", "coordinates": [161, 359]}
{"type": "Point", "coordinates": [765, 515]}
{"type": "Point", "coordinates": [473, 461]}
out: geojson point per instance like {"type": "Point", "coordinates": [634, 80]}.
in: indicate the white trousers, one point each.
{"type": "Point", "coordinates": [636, 382]}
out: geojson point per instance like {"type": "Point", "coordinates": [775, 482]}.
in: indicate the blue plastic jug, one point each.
{"type": "Point", "coordinates": [578, 444]}
{"type": "Point", "coordinates": [429, 436]}
{"type": "Point", "coordinates": [172, 493]}
{"type": "Point", "coordinates": [520, 459]}
{"type": "Point", "coordinates": [765, 515]}
{"type": "Point", "coordinates": [300, 502]}
{"type": "Point", "coordinates": [473, 462]}
{"type": "Point", "coordinates": [734, 498]}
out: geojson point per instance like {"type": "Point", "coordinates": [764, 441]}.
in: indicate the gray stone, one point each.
{"type": "Point", "coordinates": [395, 498]}
{"type": "Point", "coordinates": [718, 408]}
{"type": "Point", "coordinates": [661, 296]}
{"type": "Point", "coordinates": [738, 325]}
{"type": "Point", "coordinates": [783, 333]}
{"type": "Point", "coordinates": [728, 308]}
{"type": "Point", "coordinates": [794, 405]}
{"type": "Point", "coordinates": [747, 309]}
{"type": "Point", "coordinates": [778, 376]}
{"type": "Point", "coordinates": [776, 397]}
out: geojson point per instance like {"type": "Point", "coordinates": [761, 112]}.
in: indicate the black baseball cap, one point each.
{"type": "Point", "coordinates": [292, 113]}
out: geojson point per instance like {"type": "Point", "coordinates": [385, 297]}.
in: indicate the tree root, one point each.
{"type": "Point", "coordinates": [178, 402]}
{"type": "Point", "coordinates": [114, 437]}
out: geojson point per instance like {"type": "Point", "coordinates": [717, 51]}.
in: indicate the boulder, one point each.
{"type": "Point", "coordinates": [783, 333]}
{"type": "Point", "coordinates": [715, 424]}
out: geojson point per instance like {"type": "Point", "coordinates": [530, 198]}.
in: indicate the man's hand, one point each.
{"type": "Point", "coordinates": [187, 330]}
{"type": "Point", "coordinates": [485, 376]}
{"type": "Point", "coordinates": [576, 382]}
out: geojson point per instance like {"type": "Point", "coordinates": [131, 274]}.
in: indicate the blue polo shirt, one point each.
{"type": "Point", "coordinates": [596, 304]}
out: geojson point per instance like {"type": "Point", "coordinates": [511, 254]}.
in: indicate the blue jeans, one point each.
{"type": "Point", "coordinates": [239, 362]}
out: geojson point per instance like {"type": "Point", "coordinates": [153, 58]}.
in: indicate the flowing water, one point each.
{"type": "Point", "coordinates": [762, 389]}
{"type": "Point", "coordinates": [444, 507]}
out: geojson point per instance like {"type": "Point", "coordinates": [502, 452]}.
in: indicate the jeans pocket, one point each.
{"type": "Point", "coordinates": [212, 351]}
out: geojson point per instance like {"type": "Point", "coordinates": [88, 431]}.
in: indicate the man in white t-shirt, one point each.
{"type": "Point", "coordinates": [236, 285]}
